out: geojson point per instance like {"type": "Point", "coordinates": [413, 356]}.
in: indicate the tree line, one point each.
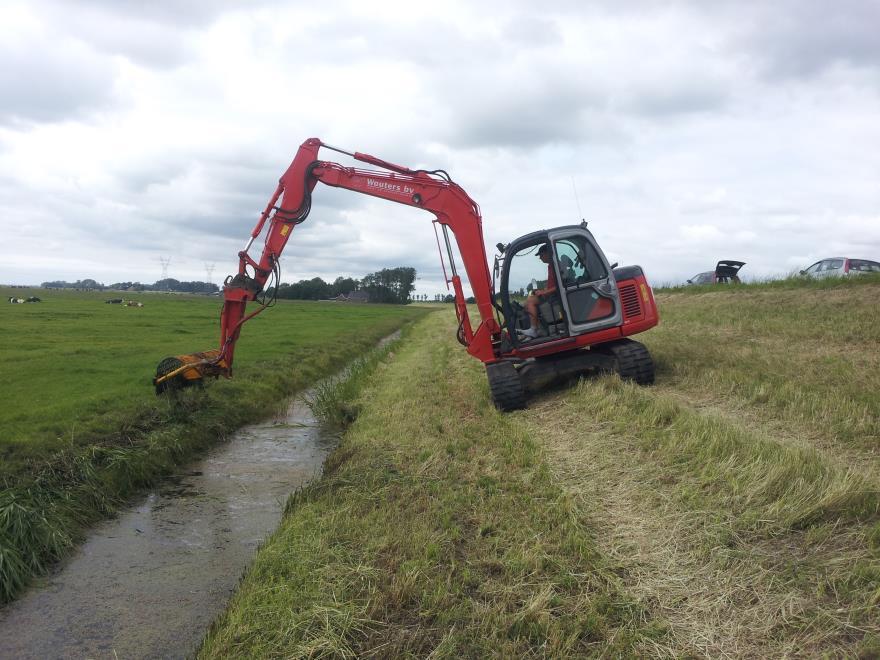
{"type": "Point", "coordinates": [389, 285]}
{"type": "Point", "coordinates": [168, 284]}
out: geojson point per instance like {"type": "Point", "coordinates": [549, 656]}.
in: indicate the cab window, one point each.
{"type": "Point", "coordinates": [578, 261]}
{"type": "Point", "coordinates": [527, 271]}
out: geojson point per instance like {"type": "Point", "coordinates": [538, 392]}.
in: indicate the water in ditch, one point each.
{"type": "Point", "coordinates": [148, 583]}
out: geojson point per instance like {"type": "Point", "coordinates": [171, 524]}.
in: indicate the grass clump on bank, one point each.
{"type": "Point", "coordinates": [57, 485]}
{"type": "Point", "coordinates": [334, 400]}
{"type": "Point", "coordinates": [436, 529]}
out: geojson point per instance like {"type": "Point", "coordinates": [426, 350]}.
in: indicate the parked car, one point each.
{"type": "Point", "coordinates": [839, 266]}
{"type": "Point", "coordinates": [726, 272]}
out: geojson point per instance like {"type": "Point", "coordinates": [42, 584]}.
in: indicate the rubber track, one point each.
{"type": "Point", "coordinates": [633, 361]}
{"type": "Point", "coordinates": [506, 387]}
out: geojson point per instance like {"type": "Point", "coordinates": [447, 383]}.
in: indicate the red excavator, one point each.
{"type": "Point", "coordinates": [580, 322]}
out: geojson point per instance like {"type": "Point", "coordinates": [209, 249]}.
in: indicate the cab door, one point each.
{"type": "Point", "coordinates": [586, 284]}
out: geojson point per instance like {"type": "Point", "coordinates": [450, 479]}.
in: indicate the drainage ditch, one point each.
{"type": "Point", "coordinates": [148, 583]}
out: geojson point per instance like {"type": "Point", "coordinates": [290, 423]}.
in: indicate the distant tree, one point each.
{"type": "Point", "coordinates": [343, 285]}
{"type": "Point", "coordinates": [168, 284]}
{"type": "Point", "coordinates": [313, 289]}
{"type": "Point", "coordinates": [390, 285]}
{"type": "Point", "coordinates": [171, 284]}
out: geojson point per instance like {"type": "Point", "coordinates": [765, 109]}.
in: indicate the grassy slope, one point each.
{"type": "Point", "coordinates": [100, 433]}
{"type": "Point", "coordinates": [438, 528]}
{"type": "Point", "coordinates": [83, 368]}
{"type": "Point", "coordinates": [741, 494]}
{"type": "Point", "coordinates": [731, 509]}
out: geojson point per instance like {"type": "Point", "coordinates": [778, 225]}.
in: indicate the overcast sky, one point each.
{"type": "Point", "coordinates": [684, 132]}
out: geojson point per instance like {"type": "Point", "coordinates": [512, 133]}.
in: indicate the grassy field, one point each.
{"type": "Point", "coordinates": [80, 366]}
{"type": "Point", "coordinates": [81, 427]}
{"type": "Point", "coordinates": [731, 510]}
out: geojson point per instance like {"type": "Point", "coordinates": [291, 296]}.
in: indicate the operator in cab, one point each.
{"type": "Point", "coordinates": [537, 296]}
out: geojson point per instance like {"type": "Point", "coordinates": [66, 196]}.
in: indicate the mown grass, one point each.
{"type": "Point", "coordinates": [99, 434]}
{"type": "Point", "coordinates": [437, 529]}
{"type": "Point", "coordinates": [808, 355]}
{"type": "Point", "coordinates": [754, 458]}
{"type": "Point", "coordinates": [333, 400]}
{"type": "Point", "coordinates": [746, 546]}
{"type": "Point", "coordinates": [731, 510]}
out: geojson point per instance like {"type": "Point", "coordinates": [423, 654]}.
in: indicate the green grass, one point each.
{"type": "Point", "coordinates": [731, 510]}
{"type": "Point", "coordinates": [809, 355]}
{"type": "Point", "coordinates": [78, 369]}
{"type": "Point", "coordinates": [82, 429]}
{"type": "Point", "coordinates": [793, 281]}
{"type": "Point", "coordinates": [437, 528]}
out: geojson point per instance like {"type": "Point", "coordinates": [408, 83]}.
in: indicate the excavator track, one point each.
{"type": "Point", "coordinates": [506, 386]}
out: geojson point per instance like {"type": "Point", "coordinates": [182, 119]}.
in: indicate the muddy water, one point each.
{"type": "Point", "coordinates": [148, 583]}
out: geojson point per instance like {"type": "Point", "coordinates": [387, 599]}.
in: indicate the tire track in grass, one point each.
{"type": "Point", "coordinates": [700, 551]}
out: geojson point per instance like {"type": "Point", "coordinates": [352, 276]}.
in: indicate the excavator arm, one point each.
{"type": "Point", "coordinates": [432, 191]}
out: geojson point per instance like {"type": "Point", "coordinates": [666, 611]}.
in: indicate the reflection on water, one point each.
{"type": "Point", "coordinates": [148, 583]}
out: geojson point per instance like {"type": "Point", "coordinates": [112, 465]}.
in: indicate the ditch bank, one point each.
{"type": "Point", "coordinates": [45, 514]}
{"type": "Point", "coordinates": [149, 583]}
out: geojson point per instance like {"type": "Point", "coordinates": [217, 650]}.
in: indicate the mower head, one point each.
{"type": "Point", "coordinates": [180, 371]}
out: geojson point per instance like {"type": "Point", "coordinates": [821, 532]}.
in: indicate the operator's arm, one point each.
{"type": "Point", "coordinates": [551, 284]}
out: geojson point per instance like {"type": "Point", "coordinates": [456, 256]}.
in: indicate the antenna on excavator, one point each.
{"type": "Point", "coordinates": [577, 201]}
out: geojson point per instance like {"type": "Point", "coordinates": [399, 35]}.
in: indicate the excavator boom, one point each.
{"type": "Point", "coordinates": [584, 325]}
{"type": "Point", "coordinates": [432, 191]}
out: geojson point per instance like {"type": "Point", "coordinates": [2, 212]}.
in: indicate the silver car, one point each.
{"type": "Point", "coordinates": [840, 266]}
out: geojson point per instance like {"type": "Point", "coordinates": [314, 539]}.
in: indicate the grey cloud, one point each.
{"type": "Point", "coordinates": [41, 84]}
{"type": "Point", "coordinates": [192, 13]}
{"type": "Point", "coordinates": [675, 99]}
{"type": "Point", "coordinates": [138, 31]}
{"type": "Point", "coordinates": [802, 38]}
{"type": "Point", "coordinates": [534, 31]}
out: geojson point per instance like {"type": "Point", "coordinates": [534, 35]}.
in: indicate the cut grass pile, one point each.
{"type": "Point", "coordinates": [84, 430]}
{"type": "Point", "coordinates": [731, 510]}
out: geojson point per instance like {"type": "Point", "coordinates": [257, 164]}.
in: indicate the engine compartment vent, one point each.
{"type": "Point", "coordinates": [629, 297]}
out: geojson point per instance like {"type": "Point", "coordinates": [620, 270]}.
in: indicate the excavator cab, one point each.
{"type": "Point", "coordinates": [586, 298]}
{"type": "Point", "coordinates": [585, 324]}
